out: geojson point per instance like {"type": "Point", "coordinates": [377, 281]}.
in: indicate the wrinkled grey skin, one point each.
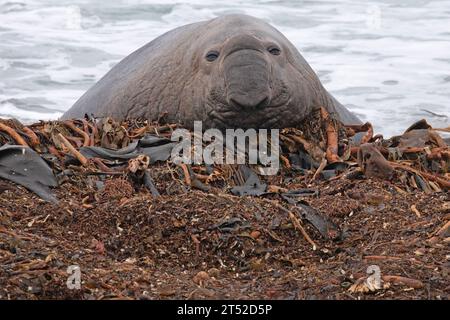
{"type": "Point", "coordinates": [258, 80]}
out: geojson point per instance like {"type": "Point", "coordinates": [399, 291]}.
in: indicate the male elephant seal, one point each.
{"type": "Point", "coordinates": [233, 71]}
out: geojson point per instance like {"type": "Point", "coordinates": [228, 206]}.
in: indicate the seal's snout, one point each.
{"type": "Point", "coordinates": [247, 74]}
{"type": "Point", "coordinates": [245, 102]}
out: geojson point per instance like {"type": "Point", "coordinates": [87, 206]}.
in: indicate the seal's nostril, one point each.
{"type": "Point", "coordinates": [263, 103]}
{"type": "Point", "coordinates": [235, 104]}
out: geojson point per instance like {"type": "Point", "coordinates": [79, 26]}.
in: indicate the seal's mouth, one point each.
{"type": "Point", "coordinates": [234, 120]}
{"type": "Point", "coordinates": [227, 116]}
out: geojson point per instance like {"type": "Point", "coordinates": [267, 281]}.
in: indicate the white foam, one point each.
{"type": "Point", "coordinates": [9, 110]}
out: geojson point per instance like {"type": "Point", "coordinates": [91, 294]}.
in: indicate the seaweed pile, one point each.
{"type": "Point", "coordinates": [104, 196]}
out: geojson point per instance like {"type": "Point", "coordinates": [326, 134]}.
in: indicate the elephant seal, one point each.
{"type": "Point", "coordinates": [234, 71]}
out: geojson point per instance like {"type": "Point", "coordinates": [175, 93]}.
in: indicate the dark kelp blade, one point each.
{"type": "Point", "coordinates": [25, 167]}
{"type": "Point", "coordinates": [157, 148]}
{"type": "Point", "coordinates": [252, 184]}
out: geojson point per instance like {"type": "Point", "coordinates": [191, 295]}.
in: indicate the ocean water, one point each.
{"type": "Point", "coordinates": [386, 60]}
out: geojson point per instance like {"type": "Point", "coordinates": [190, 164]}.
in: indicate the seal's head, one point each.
{"type": "Point", "coordinates": [234, 71]}
{"type": "Point", "coordinates": [248, 75]}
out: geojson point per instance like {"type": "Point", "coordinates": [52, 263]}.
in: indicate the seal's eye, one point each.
{"type": "Point", "coordinates": [212, 55]}
{"type": "Point", "coordinates": [274, 50]}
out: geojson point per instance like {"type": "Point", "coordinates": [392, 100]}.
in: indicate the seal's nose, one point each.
{"type": "Point", "coordinates": [246, 102]}
{"type": "Point", "coordinates": [247, 74]}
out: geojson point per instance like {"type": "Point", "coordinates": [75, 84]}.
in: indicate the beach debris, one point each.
{"type": "Point", "coordinates": [201, 277]}
{"type": "Point", "coordinates": [344, 197]}
{"type": "Point", "coordinates": [412, 283]}
{"type": "Point", "coordinates": [251, 186]}
{"type": "Point", "coordinates": [371, 283]}
{"type": "Point", "coordinates": [325, 226]}
{"type": "Point", "coordinates": [24, 166]}
{"type": "Point", "coordinates": [372, 162]}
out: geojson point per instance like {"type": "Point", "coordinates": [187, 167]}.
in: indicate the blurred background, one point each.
{"type": "Point", "coordinates": [387, 61]}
